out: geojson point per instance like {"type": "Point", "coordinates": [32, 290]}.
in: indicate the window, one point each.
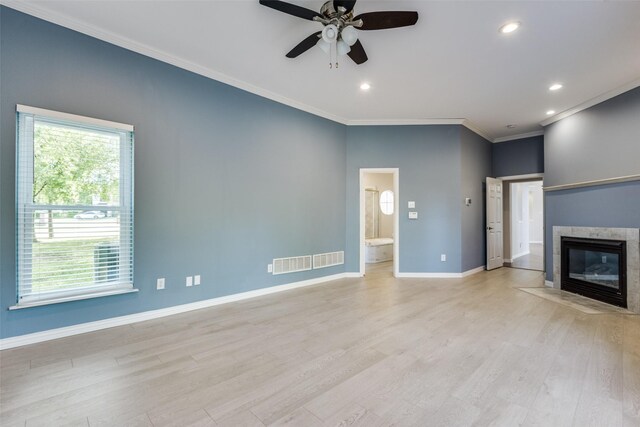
{"type": "Point", "coordinates": [74, 210]}
{"type": "Point", "coordinates": [386, 202]}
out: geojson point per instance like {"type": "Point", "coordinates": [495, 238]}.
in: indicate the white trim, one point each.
{"type": "Point", "coordinates": [476, 129]}
{"type": "Point", "coordinates": [548, 283]}
{"type": "Point", "coordinates": [593, 101]}
{"type": "Point", "coordinates": [535, 242]}
{"type": "Point", "coordinates": [604, 181]}
{"type": "Point", "coordinates": [507, 260]}
{"type": "Point", "coordinates": [82, 328]}
{"type": "Point", "coordinates": [353, 275]}
{"type": "Point", "coordinates": [521, 254]}
{"type": "Point", "coordinates": [519, 136]}
{"type": "Point", "coordinates": [73, 117]}
{"type": "Point", "coordinates": [442, 275]}
{"type": "Point", "coordinates": [474, 271]}
{"type": "Point", "coordinates": [521, 177]}
{"type": "Point", "coordinates": [404, 122]}
{"type": "Point", "coordinates": [396, 217]}
{"type": "Point", "coordinates": [77, 297]}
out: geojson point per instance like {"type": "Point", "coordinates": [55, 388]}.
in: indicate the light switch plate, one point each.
{"type": "Point", "coordinates": [160, 283]}
{"type": "Point", "coordinates": [189, 280]}
{"type": "Point", "coordinates": [413, 215]}
{"type": "Point", "coordinates": [411, 204]}
{"type": "Point", "coordinates": [196, 279]}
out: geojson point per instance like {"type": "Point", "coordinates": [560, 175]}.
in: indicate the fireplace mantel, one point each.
{"type": "Point", "coordinates": [630, 235]}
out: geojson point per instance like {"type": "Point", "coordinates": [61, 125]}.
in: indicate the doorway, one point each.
{"type": "Point", "coordinates": [379, 240]}
{"type": "Point", "coordinates": [525, 240]}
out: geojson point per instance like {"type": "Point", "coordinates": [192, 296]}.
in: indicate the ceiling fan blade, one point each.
{"type": "Point", "coordinates": [385, 20]}
{"type": "Point", "coordinates": [291, 9]}
{"type": "Point", "coordinates": [347, 4]}
{"type": "Point", "coordinates": [304, 45]}
{"type": "Point", "coordinates": [357, 53]}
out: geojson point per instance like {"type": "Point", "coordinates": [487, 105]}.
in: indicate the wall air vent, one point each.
{"type": "Point", "coordinates": [291, 264]}
{"type": "Point", "coordinates": [328, 260]}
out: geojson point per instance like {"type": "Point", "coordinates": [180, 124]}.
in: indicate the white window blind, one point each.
{"type": "Point", "coordinates": [74, 182]}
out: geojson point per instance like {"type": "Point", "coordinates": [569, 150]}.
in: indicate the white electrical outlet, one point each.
{"type": "Point", "coordinates": [189, 280]}
{"type": "Point", "coordinates": [196, 279]}
{"type": "Point", "coordinates": [443, 257]}
{"type": "Point", "coordinates": [269, 268]}
{"type": "Point", "coordinates": [160, 283]}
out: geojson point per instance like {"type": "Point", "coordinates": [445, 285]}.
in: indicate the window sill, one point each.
{"type": "Point", "coordinates": [59, 300]}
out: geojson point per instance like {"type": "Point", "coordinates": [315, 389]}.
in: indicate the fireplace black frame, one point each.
{"type": "Point", "coordinates": [612, 296]}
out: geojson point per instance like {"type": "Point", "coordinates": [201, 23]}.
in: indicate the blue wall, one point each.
{"type": "Point", "coordinates": [430, 163]}
{"type": "Point", "coordinates": [224, 180]}
{"type": "Point", "coordinates": [475, 168]}
{"type": "Point", "coordinates": [599, 142]}
{"type": "Point", "coordinates": [519, 157]}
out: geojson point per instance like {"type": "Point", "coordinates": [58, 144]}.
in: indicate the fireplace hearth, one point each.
{"type": "Point", "coordinates": [595, 268]}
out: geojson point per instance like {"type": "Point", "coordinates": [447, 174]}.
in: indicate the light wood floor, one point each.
{"type": "Point", "coordinates": [370, 352]}
{"type": "Point", "coordinates": [534, 260]}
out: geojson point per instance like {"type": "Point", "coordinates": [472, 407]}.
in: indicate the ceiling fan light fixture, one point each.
{"type": "Point", "coordinates": [365, 86]}
{"type": "Point", "coordinates": [349, 35]}
{"type": "Point", "coordinates": [325, 46]}
{"type": "Point", "coordinates": [343, 48]}
{"type": "Point", "coordinates": [330, 33]}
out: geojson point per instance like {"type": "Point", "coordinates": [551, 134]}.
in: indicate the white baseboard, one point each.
{"type": "Point", "coordinates": [353, 275]}
{"type": "Point", "coordinates": [507, 260]}
{"type": "Point", "coordinates": [548, 283]}
{"type": "Point", "coordinates": [82, 328]}
{"type": "Point", "coordinates": [519, 255]}
{"type": "Point", "coordinates": [442, 275]}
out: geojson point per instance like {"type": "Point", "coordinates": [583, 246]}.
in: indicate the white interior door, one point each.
{"type": "Point", "coordinates": [494, 223]}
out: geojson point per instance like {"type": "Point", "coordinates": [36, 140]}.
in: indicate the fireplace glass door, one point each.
{"type": "Point", "coordinates": [599, 268]}
{"type": "Point", "coordinates": [595, 268]}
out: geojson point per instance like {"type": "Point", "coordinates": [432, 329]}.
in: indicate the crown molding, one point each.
{"type": "Point", "coordinates": [404, 122]}
{"type": "Point", "coordinates": [162, 56]}
{"type": "Point", "coordinates": [519, 136]}
{"type": "Point", "coordinates": [593, 101]}
{"type": "Point", "coordinates": [475, 128]}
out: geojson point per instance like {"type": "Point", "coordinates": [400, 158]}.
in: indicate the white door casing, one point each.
{"type": "Point", "coordinates": [494, 223]}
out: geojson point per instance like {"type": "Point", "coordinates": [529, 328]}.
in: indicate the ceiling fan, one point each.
{"type": "Point", "coordinates": [340, 26]}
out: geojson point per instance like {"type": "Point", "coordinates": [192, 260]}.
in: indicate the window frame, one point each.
{"type": "Point", "coordinates": [26, 117]}
{"type": "Point", "coordinates": [386, 204]}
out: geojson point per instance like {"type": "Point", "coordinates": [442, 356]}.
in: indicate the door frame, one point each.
{"type": "Point", "coordinates": [531, 177]}
{"type": "Point", "coordinates": [396, 216]}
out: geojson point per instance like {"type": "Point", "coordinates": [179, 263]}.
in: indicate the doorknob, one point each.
{"type": "Point", "coordinates": [489, 228]}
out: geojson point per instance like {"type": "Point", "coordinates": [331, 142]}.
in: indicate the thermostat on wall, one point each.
{"type": "Point", "coordinates": [413, 215]}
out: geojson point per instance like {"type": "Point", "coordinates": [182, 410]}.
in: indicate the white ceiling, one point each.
{"type": "Point", "coordinates": [452, 65]}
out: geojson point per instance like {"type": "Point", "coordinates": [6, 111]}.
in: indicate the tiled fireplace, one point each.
{"type": "Point", "coordinates": [601, 263]}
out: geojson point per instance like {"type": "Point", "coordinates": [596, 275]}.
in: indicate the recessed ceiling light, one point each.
{"type": "Point", "coordinates": [509, 27]}
{"type": "Point", "coordinates": [555, 86]}
{"type": "Point", "coordinates": [365, 86]}
{"type": "Point", "coordinates": [550, 112]}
